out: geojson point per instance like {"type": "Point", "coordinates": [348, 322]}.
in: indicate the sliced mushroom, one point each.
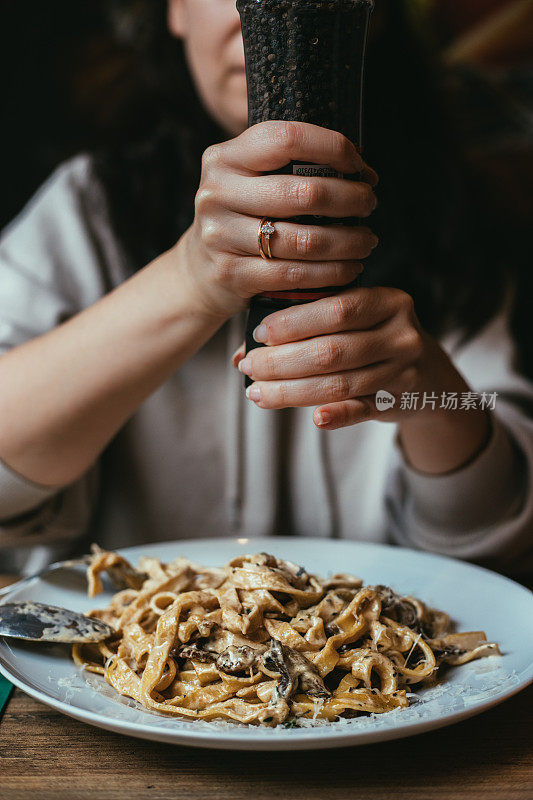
{"type": "Point", "coordinates": [195, 652]}
{"type": "Point", "coordinates": [295, 672]}
{"type": "Point", "coordinates": [236, 659]}
{"type": "Point", "coordinates": [396, 607]}
{"type": "Point", "coordinates": [331, 629]}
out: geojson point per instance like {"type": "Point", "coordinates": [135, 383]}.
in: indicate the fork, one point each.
{"type": "Point", "coordinates": [74, 562]}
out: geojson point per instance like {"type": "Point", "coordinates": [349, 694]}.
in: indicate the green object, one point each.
{"type": "Point", "coordinates": [5, 690]}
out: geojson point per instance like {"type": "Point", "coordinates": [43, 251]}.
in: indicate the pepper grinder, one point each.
{"type": "Point", "coordinates": [304, 63]}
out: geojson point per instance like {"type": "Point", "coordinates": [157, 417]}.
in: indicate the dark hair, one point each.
{"type": "Point", "coordinates": [442, 240]}
{"type": "Point", "coordinates": [150, 165]}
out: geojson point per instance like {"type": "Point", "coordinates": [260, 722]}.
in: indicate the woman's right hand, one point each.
{"type": "Point", "coordinates": [219, 252]}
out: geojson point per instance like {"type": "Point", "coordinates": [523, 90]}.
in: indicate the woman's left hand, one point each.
{"type": "Point", "coordinates": [338, 352]}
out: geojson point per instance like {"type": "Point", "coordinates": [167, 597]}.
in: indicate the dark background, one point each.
{"type": "Point", "coordinates": [61, 72]}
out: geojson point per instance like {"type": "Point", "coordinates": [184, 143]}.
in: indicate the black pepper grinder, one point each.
{"type": "Point", "coordinates": [305, 63]}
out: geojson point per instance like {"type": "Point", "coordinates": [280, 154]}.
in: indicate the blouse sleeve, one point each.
{"type": "Point", "coordinates": [51, 260]}
{"type": "Point", "coordinates": [482, 511]}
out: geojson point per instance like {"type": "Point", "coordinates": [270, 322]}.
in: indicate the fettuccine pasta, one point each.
{"type": "Point", "coordinates": [261, 641]}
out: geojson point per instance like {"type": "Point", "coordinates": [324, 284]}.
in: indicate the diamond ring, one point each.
{"type": "Point", "coordinates": [266, 229]}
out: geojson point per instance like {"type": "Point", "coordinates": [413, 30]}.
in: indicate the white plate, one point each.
{"type": "Point", "coordinates": [476, 598]}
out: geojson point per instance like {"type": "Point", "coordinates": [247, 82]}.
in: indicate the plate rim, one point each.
{"type": "Point", "coordinates": [307, 738]}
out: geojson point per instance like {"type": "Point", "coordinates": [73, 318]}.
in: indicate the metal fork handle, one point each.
{"type": "Point", "coordinates": [74, 562]}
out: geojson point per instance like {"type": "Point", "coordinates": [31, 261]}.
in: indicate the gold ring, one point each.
{"type": "Point", "coordinates": [266, 229]}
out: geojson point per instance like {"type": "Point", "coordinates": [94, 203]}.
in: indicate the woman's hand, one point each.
{"type": "Point", "coordinates": [220, 251]}
{"type": "Point", "coordinates": [338, 352]}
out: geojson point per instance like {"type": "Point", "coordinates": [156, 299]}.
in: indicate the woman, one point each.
{"type": "Point", "coordinates": [123, 297]}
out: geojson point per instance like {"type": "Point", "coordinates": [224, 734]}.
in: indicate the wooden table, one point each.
{"type": "Point", "coordinates": [47, 756]}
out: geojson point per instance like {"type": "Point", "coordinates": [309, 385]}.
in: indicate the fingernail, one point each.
{"type": "Point", "coordinates": [260, 333]}
{"type": "Point", "coordinates": [322, 418]}
{"type": "Point", "coordinates": [253, 393]}
{"type": "Point", "coordinates": [235, 355]}
{"type": "Point", "coordinates": [245, 366]}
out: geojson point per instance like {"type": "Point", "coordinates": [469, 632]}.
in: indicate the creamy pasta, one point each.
{"type": "Point", "coordinates": [262, 641]}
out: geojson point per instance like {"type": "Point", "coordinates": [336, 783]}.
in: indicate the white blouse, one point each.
{"type": "Point", "coordinates": [199, 460]}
